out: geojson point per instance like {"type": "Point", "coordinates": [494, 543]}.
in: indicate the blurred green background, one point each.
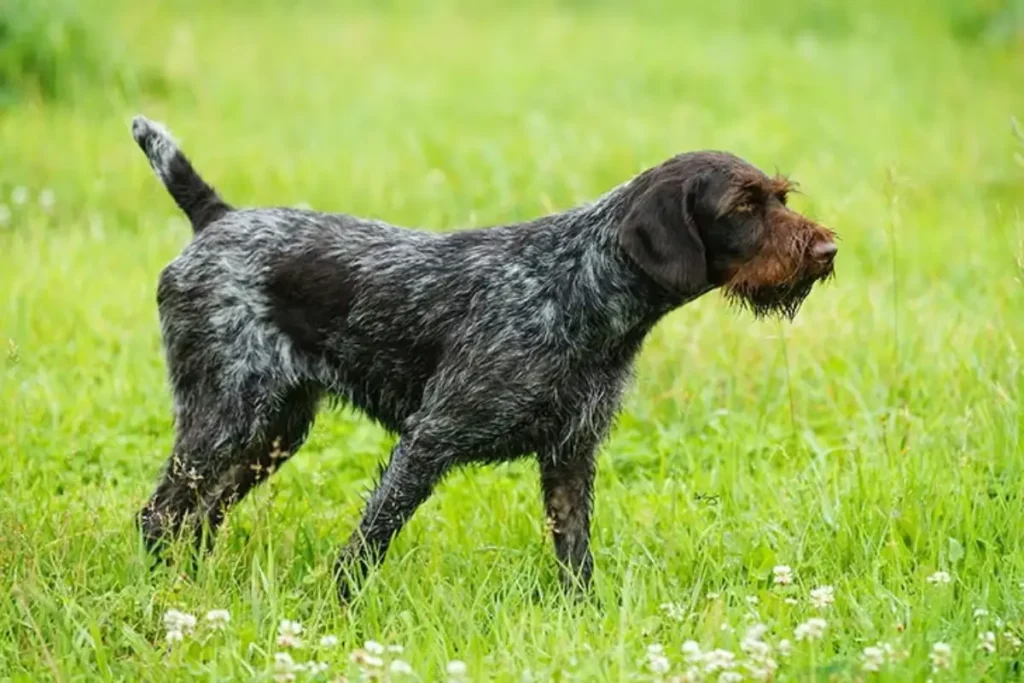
{"type": "Point", "coordinates": [872, 442]}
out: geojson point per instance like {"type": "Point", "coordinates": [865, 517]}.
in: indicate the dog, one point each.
{"type": "Point", "coordinates": [473, 346]}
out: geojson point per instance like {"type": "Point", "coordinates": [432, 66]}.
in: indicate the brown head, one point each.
{"type": "Point", "coordinates": [709, 219]}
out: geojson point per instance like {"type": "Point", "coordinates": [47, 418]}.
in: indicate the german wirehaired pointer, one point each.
{"type": "Point", "coordinates": [473, 346]}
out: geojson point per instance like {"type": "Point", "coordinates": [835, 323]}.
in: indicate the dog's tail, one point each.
{"type": "Point", "coordinates": [198, 200]}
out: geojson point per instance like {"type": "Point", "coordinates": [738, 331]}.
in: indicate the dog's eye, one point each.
{"type": "Point", "coordinates": [744, 207]}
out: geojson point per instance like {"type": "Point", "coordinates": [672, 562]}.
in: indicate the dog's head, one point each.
{"type": "Point", "coordinates": [709, 219]}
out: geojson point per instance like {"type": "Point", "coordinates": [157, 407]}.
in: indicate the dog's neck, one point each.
{"type": "Point", "coordinates": [603, 284]}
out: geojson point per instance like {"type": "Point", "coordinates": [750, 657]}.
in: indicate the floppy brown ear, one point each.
{"type": "Point", "coordinates": [660, 235]}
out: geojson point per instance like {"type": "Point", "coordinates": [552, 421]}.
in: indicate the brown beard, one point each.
{"type": "Point", "coordinates": [776, 301]}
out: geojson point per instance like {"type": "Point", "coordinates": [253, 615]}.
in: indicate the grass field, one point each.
{"type": "Point", "coordinates": [872, 443]}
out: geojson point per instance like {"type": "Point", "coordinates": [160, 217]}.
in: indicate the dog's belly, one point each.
{"type": "Point", "coordinates": [384, 381]}
{"type": "Point", "coordinates": [388, 384]}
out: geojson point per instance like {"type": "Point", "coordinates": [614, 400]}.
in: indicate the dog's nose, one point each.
{"type": "Point", "coordinates": [825, 250]}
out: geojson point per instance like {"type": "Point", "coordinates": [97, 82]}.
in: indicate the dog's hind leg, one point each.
{"type": "Point", "coordinates": [225, 444]}
{"type": "Point", "coordinates": [207, 439]}
{"type": "Point", "coordinates": [287, 431]}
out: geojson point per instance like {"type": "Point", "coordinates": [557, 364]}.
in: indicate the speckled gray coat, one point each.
{"type": "Point", "coordinates": [473, 346]}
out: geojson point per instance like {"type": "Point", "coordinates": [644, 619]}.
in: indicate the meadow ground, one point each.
{"type": "Point", "coordinates": [870, 445]}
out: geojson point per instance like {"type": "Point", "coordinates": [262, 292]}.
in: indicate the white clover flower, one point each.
{"type": "Point", "coordinates": [791, 601]}
{"type": "Point", "coordinates": [218, 618]}
{"type": "Point", "coordinates": [19, 195]}
{"type": "Point", "coordinates": [753, 643]}
{"type": "Point", "coordinates": [288, 633]}
{"type": "Point", "coordinates": [691, 675]}
{"type": "Point", "coordinates": [730, 677]}
{"type": "Point", "coordinates": [988, 641]}
{"type": "Point", "coordinates": [763, 671]}
{"type": "Point", "coordinates": [456, 669]}
{"type": "Point", "coordinates": [782, 575]}
{"type": "Point", "coordinates": [1012, 640]}
{"type": "Point", "coordinates": [396, 649]}
{"type": "Point", "coordinates": [939, 578]}
{"type": "Point", "coordinates": [292, 627]}
{"type": "Point", "coordinates": [713, 596]}
{"type": "Point", "coordinates": [892, 654]}
{"type": "Point", "coordinates": [400, 667]}
{"type": "Point", "coordinates": [755, 632]}
{"type": "Point", "coordinates": [175, 620]}
{"type": "Point", "coordinates": [753, 599]}
{"type": "Point", "coordinates": [812, 629]}
{"type": "Point", "coordinates": [329, 641]}
{"type": "Point", "coordinates": [47, 199]}
{"type": "Point", "coordinates": [941, 656]}
{"type": "Point", "coordinates": [691, 650]}
{"type": "Point", "coordinates": [373, 647]}
{"type": "Point", "coordinates": [673, 611]}
{"type": "Point", "coordinates": [874, 659]}
{"type": "Point", "coordinates": [718, 660]}
{"type": "Point", "coordinates": [658, 664]}
{"type": "Point", "coordinates": [823, 596]}
{"type": "Point", "coordinates": [980, 613]}
{"type": "Point", "coordinates": [174, 636]}
{"type": "Point", "coordinates": [785, 647]}
{"type": "Point", "coordinates": [366, 660]}
{"type": "Point", "coordinates": [316, 668]}
{"type": "Point", "coordinates": [284, 667]}
{"type": "Point", "coordinates": [5, 214]}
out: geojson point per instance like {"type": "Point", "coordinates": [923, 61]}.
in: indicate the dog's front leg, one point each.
{"type": "Point", "coordinates": [407, 481]}
{"type": "Point", "coordinates": [567, 480]}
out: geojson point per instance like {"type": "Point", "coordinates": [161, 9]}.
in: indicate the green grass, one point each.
{"type": "Point", "coordinates": [876, 440]}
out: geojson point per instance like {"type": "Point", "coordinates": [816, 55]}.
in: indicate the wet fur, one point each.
{"type": "Point", "coordinates": [480, 345]}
